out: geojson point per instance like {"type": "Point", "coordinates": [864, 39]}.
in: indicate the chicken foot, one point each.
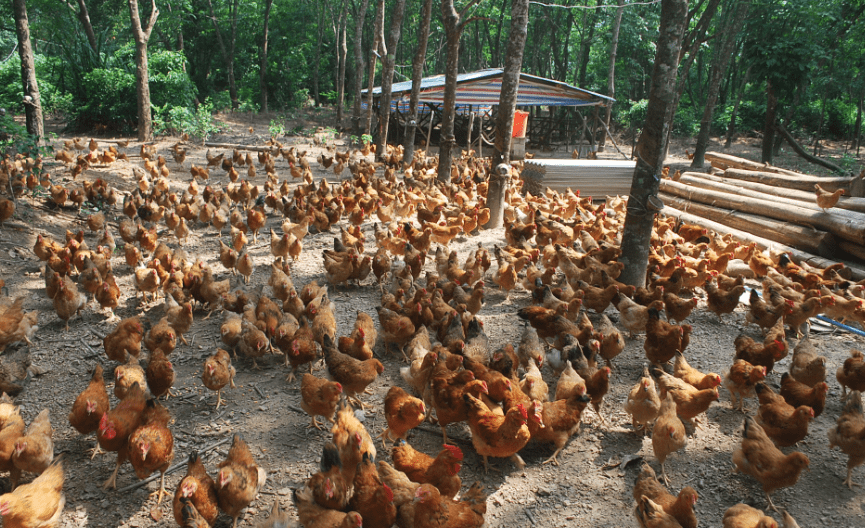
{"type": "Point", "coordinates": [849, 481]}
{"type": "Point", "coordinates": [218, 398]}
{"type": "Point", "coordinates": [554, 459]}
{"type": "Point", "coordinates": [96, 451]}
{"type": "Point", "coordinates": [313, 422]}
{"type": "Point", "coordinates": [666, 478]}
{"type": "Point", "coordinates": [111, 483]}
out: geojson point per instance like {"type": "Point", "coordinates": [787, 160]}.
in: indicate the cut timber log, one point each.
{"type": "Point", "coordinates": [726, 161]}
{"type": "Point", "coordinates": [254, 148]}
{"type": "Point", "coordinates": [696, 179]}
{"type": "Point", "coordinates": [851, 204]}
{"type": "Point", "coordinates": [801, 182]}
{"type": "Point", "coordinates": [842, 227]}
{"type": "Point", "coordinates": [805, 238]}
{"type": "Point", "coordinates": [796, 255]}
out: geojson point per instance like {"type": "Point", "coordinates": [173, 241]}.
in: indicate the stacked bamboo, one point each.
{"type": "Point", "coordinates": [773, 204]}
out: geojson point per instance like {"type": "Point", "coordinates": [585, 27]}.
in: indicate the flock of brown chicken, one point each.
{"type": "Point", "coordinates": [561, 248]}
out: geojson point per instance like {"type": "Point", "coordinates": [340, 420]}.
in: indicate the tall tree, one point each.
{"type": "Point", "coordinates": [505, 115]}
{"type": "Point", "coordinates": [32, 103]}
{"type": "Point", "coordinates": [377, 51]}
{"type": "Point", "coordinates": [650, 150]}
{"type": "Point", "coordinates": [142, 78]}
{"type": "Point", "coordinates": [228, 53]}
{"type": "Point", "coordinates": [728, 31]}
{"type": "Point", "coordinates": [342, 50]}
{"type": "Point", "coordinates": [454, 22]}
{"type": "Point", "coordinates": [359, 17]}
{"type": "Point", "coordinates": [388, 62]}
{"type": "Point", "coordinates": [611, 78]}
{"type": "Point", "coordinates": [416, 78]}
{"type": "Point", "coordinates": [84, 17]}
{"type": "Point", "coordinates": [262, 73]}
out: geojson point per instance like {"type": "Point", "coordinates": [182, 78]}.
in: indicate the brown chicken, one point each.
{"type": "Point", "coordinates": [396, 328]}
{"type": "Point", "coordinates": [403, 413]}
{"type": "Point", "coordinates": [744, 516]}
{"type": "Point", "coordinates": [38, 503]}
{"type": "Point", "coordinates": [495, 435]}
{"type": "Point", "coordinates": [68, 301]}
{"type": "Point", "coordinates": [764, 314]}
{"type": "Point", "coordinates": [179, 317]}
{"type": "Point", "coordinates": [117, 425]}
{"type": "Point", "coordinates": [302, 349]}
{"type": "Point", "coordinates": [650, 514]}
{"type": "Point", "coordinates": [668, 434]}
{"type": "Point", "coordinates": [643, 403]}
{"type": "Point", "coordinates": [759, 354]}
{"type": "Point", "coordinates": [127, 375]}
{"type": "Point", "coordinates": [239, 480]}
{"type": "Point", "coordinates": [690, 402]}
{"type": "Point", "coordinates": [678, 309]}
{"type": "Point", "coordinates": [354, 375]}
{"type": "Point", "coordinates": [218, 372]}
{"type": "Point", "coordinates": [434, 511]}
{"type": "Point", "coordinates": [852, 373]}
{"type": "Point", "coordinates": [720, 301]}
{"type": "Point", "coordinates": [199, 492]}
{"type": "Point", "coordinates": [784, 424]}
{"type": "Point", "coordinates": [253, 343]}
{"type": "Point", "coordinates": [802, 311]}
{"type": "Point", "coordinates": [90, 405]}
{"type": "Point", "coordinates": [441, 471]}
{"type": "Point", "coordinates": [806, 366]}
{"type": "Point", "coordinates": [11, 430]}
{"type": "Point", "coordinates": [681, 507]}
{"type": "Point", "coordinates": [372, 498]}
{"type": "Point", "coordinates": [352, 439]}
{"type": "Point", "coordinates": [162, 336]}
{"type": "Point", "coordinates": [796, 393]}
{"type": "Point", "coordinates": [849, 434]}
{"type": "Point", "coordinates": [687, 373]}
{"type": "Point", "coordinates": [560, 421]}
{"type": "Point", "coordinates": [319, 397]}
{"type": "Point", "coordinates": [825, 199]}
{"type": "Point", "coordinates": [34, 451]}
{"type": "Point", "coordinates": [741, 380]}
{"type": "Point", "coordinates": [662, 338]}
{"type": "Point", "coordinates": [759, 458]}
{"type": "Point", "coordinates": [151, 446]}
{"type": "Point", "coordinates": [329, 489]}
{"type": "Point", "coordinates": [312, 515]}
{"type": "Point", "coordinates": [160, 374]}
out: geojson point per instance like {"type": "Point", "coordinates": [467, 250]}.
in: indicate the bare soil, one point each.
{"type": "Point", "coordinates": [589, 488]}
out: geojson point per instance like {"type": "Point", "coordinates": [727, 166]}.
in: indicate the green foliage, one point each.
{"type": "Point", "coordinates": [169, 83]}
{"type": "Point", "coordinates": [179, 120]}
{"type": "Point", "coordinates": [111, 100]}
{"type": "Point", "coordinates": [14, 139]}
{"type": "Point", "coordinates": [276, 128]}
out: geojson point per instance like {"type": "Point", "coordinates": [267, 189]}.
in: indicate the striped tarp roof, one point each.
{"type": "Point", "coordinates": [483, 88]}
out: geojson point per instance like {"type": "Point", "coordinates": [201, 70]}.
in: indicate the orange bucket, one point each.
{"type": "Point", "coordinates": [521, 121]}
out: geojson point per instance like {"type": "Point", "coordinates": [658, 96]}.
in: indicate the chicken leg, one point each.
{"type": "Point", "coordinates": [667, 479]}
{"type": "Point", "coordinates": [96, 451]}
{"type": "Point", "coordinates": [218, 398]}
{"type": "Point", "coordinates": [771, 504]}
{"type": "Point", "coordinates": [111, 483]}
{"type": "Point", "coordinates": [849, 481]}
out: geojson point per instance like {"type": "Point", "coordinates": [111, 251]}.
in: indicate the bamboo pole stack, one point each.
{"type": "Point", "coordinates": [773, 204]}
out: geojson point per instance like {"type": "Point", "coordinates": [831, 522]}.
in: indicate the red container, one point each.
{"type": "Point", "coordinates": [521, 122]}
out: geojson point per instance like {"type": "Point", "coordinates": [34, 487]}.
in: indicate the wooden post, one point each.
{"type": "Point", "coordinates": [471, 124]}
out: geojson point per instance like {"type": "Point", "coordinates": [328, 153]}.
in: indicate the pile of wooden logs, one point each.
{"type": "Point", "coordinates": [772, 206]}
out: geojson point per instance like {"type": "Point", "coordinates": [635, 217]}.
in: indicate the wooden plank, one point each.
{"type": "Point", "coordinates": [734, 188]}
{"type": "Point", "coordinates": [726, 161]}
{"type": "Point", "coordinates": [836, 224]}
{"type": "Point", "coordinates": [801, 182]}
{"type": "Point", "coordinates": [853, 249]}
{"type": "Point", "coordinates": [805, 238]}
{"type": "Point", "coordinates": [796, 255]}
{"type": "Point", "coordinates": [851, 204]}
{"type": "Point", "coordinates": [253, 148]}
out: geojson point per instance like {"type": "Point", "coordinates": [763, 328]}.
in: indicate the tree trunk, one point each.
{"type": "Point", "coordinates": [32, 103]}
{"type": "Point", "coordinates": [858, 128]}
{"type": "Point", "coordinates": [84, 17]}
{"type": "Point", "coordinates": [769, 127]}
{"type": "Point", "coordinates": [650, 150]}
{"type": "Point", "coordinates": [343, 55]}
{"type": "Point", "coordinates": [454, 24]}
{"type": "Point", "coordinates": [377, 51]}
{"type": "Point", "coordinates": [731, 128]}
{"type": "Point", "coordinates": [358, 65]}
{"type": "Point", "coordinates": [227, 54]}
{"type": "Point", "coordinates": [611, 80]}
{"type": "Point", "coordinates": [262, 75]}
{"type": "Point", "coordinates": [316, 66]}
{"type": "Point", "coordinates": [142, 78]}
{"type": "Point", "coordinates": [388, 61]}
{"type": "Point", "coordinates": [586, 47]}
{"type": "Point", "coordinates": [719, 69]}
{"type": "Point", "coordinates": [416, 78]}
{"type": "Point", "coordinates": [499, 178]}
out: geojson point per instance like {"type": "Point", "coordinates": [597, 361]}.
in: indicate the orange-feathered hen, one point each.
{"type": "Point", "coordinates": [825, 199]}
{"type": "Point", "coordinates": [90, 405]}
{"type": "Point", "coordinates": [759, 458]}
{"type": "Point", "coordinates": [741, 380]}
{"type": "Point", "coordinates": [849, 434]}
{"type": "Point", "coordinates": [495, 435]}
{"type": "Point", "coordinates": [668, 434]}
{"type": "Point", "coordinates": [197, 490]}
{"type": "Point", "coordinates": [681, 507]}
{"type": "Point", "coordinates": [38, 503]}
{"type": "Point", "coordinates": [151, 446]}
{"type": "Point", "coordinates": [852, 373]}
{"type": "Point", "coordinates": [218, 372]}
{"type": "Point", "coordinates": [434, 511]}
{"type": "Point", "coordinates": [403, 413]}
{"type": "Point", "coordinates": [239, 479]}
{"type": "Point", "coordinates": [319, 397]}
{"type": "Point", "coordinates": [329, 488]}
{"type": "Point", "coordinates": [441, 471]}
{"type": "Point", "coordinates": [354, 375]}
{"type": "Point", "coordinates": [783, 423]}
{"type": "Point", "coordinates": [117, 425]}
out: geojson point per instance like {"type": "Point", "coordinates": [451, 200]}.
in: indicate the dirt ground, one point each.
{"type": "Point", "coordinates": [588, 489]}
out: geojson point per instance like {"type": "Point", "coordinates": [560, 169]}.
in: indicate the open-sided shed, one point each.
{"type": "Point", "coordinates": [478, 95]}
